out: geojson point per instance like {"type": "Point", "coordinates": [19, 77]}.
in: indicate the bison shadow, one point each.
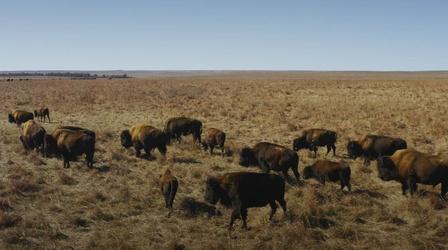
{"type": "Point", "coordinates": [194, 208]}
{"type": "Point", "coordinates": [370, 193]}
{"type": "Point", "coordinates": [188, 160]}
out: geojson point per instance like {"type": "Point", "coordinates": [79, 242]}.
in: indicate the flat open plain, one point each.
{"type": "Point", "coordinates": [118, 204]}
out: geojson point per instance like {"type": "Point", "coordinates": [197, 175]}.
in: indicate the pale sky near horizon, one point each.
{"type": "Point", "coordinates": [224, 35]}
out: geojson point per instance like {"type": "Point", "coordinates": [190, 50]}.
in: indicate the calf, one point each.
{"type": "Point", "coordinates": [324, 170]}
{"type": "Point", "coordinates": [168, 186]}
{"type": "Point", "coordinates": [42, 114]}
{"type": "Point", "coordinates": [313, 138]}
{"type": "Point", "coordinates": [213, 138]}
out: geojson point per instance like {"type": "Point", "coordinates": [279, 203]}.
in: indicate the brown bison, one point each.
{"type": "Point", "coordinates": [181, 126]}
{"type": "Point", "coordinates": [213, 138]}
{"type": "Point", "coordinates": [324, 170]}
{"type": "Point", "coordinates": [410, 167]}
{"type": "Point", "coordinates": [32, 135]}
{"type": "Point", "coordinates": [373, 146]}
{"type": "Point", "coordinates": [168, 185]}
{"type": "Point", "coordinates": [18, 117]}
{"type": "Point", "coordinates": [71, 143]}
{"type": "Point", "coordinates": [42, 114]}
{"type": "Point", "coordinates": [243, 190]}
{"type": "Point", "coordinates": [269, 156]}
{"type": "Point", "coordinates": [313, 138]}
{"type": "Point", "coordinates": [144, 137]}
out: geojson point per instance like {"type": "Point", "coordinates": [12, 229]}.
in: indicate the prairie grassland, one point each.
{"type": "Point", "coordinates": [118, 204]}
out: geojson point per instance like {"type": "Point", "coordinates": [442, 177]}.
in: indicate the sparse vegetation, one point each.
{"type": "Point", "coordinates": [118, 204]}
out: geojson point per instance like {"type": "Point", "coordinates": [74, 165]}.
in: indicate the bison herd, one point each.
{"type": "Point", "coordinates": [243, 190]}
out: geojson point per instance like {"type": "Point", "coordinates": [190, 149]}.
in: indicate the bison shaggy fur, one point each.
{"type": "Point", "coordinates": [269, 156]}
{"type": "Point", "coordinates": [371, 147]}
{"type": "Point", "coordinates": [410, 167]}
{"type": "Point", "coordinates": [243, 190]}
{"type": "Point", "coordinates": [324, 170]}
{"type": "Point", "coordinates": [144, 137]}
{"type": "Point", "coordinates": [32, 135]}
{"type": "Point", "coordinates": [213, 138]}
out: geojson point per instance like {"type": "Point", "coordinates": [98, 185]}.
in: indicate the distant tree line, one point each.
{"type": "Point", "coordinates": [60, 74]}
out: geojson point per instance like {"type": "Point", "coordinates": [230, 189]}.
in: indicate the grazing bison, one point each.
{"type": "Point", "coordinates": [373, 146]}
{"type": "Point", "coordinates": [32, 135]}
{"type": "Point", "coordinates": [213, 138]}
{"type": "Point", "coordinates": [18, 117]}
{"type": "Point", "coordinates": [243, 190]}
{"type": "Point", "coordinates": [144, 137]}
{"type": "Point", "coordinates": [313, 138]}
{"type": "Point", "coordinates": [181, 126]}
{"type": "Point", "coordinates": [71, 143]}
{"type": "Point", "coordinates": [410, 167]}
{"type": "Point", "coordinates": [168, 185]}
{"type": "Point", "coordinates": [42, 114]}
{"type": "Point", "coordinates": [269, 156]}
{"type": "Point", "coordinates": [324, 170]}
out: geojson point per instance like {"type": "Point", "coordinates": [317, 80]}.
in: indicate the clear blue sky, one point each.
{"type": "Point", "coordinates": [264, 35]}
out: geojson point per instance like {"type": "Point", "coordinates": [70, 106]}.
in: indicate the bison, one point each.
{"type": "Point", "coordinates": [410, 167]}
{"type": "Point", "coordinates": [168, 185]}
{"type": "Point", "coordinates": [269, 156]}
{"type": "Point", "coordinates": [181, 126]}
{"type": "Point", "coordinates": [42, 114]}
{"type": "Point", "coordinates": [71, 143]}
{"type": "Point", "coordinates": [324, 170]}
{"type": "Point", "coordinates": [243, 190]}
{"type": "Point", "coordinates": [18, 117]}
{"type": "Point", "coordinates": [144, 137]}
{"type": "Point", "coordinates": [32, 135]}
{"type": "Point", "coordinates": [213, 138]}
{"type": "Point", "coordinates": [373, 146]}
{"type": "Point", "coordinates": [313, 138]}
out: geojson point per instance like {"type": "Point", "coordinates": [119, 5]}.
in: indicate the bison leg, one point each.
{"type": "Point", "coordinates": [273, 209]}
{"type": "Point", "coordinates": [244, 217]}
{"type": "Point", "coordinates": [236, 213]}
{"type": "Point", "coordinates": [222, 151]}
{"type": "Point", "coordinates": [404, 188]}
{"type": "Point", "coordinates": [211, 149]}
{"type": "Point", "coordinates": [334, 149]}
{"type": "Point", "coordinates": [264, 166]}
{"type": "Point", "coordinates": [443, 191]}
{"type": "Point", "coordinates": [296, 173]}
{"type": "Point", "coordinates": [89, 160]}
{"type": "Point", "coordinates": [137, 151]}
{"type": "Point", "coordinates": [162, 149]}
{"type": "Point", "coordinates": [328, 149]}
{"type": "Point", "coordinates": [412, 186]}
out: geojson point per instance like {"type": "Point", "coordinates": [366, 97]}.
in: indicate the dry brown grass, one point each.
{"type": "Point", "coordinates": [118, 204]}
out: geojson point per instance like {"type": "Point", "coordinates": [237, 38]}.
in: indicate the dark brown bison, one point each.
{"type": "Point", "coordinates": [243, 190]}
{"type": "Point", "coordinates": [410, 167]}
{"type": "Point", "coordinates": [168, 185]}
{"type": "Point", "coordinates": [42, 114]}
{"type": "Point", "coordinates": [313, 138]}
{"type": "Point", "coordinates": [70, 143]}
{"type": "Point", "coordinates": [213, 138]}
{"type": "Point", "coordinates": [177, 127]}
{"type": "Point", "coordinates": [144, 137]}
{"type": "Point", "coordinates": [324, 170]}
{"type": "Point", "coordinates": [269, 156]}
{"type": "Point", "coordinates": [32, 135]}
{"type": "Point", "coordinates": [373, 146]}
{"type": "Point", "coordinates": [18, 117]}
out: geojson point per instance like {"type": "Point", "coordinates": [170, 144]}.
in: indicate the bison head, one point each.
{"type": "Point", "coordinates": [386, 168]}
{"type": "Point", "coordinates": [50, 145]}
{"type": "Point", "coordinates": [126, 140]}
{"type": "Point", "coordinates": [212, 190]}
{"type": "Point", "coordinates": [308, 172]}
{"type": "Point", "coordinates": [300, 143]}
{"type": "Point", "coordinates": [10, 118]}
{"type": "Point", "coordinates": [354, 150]}
{"type": "Point", "coordinates": [247, 157]}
